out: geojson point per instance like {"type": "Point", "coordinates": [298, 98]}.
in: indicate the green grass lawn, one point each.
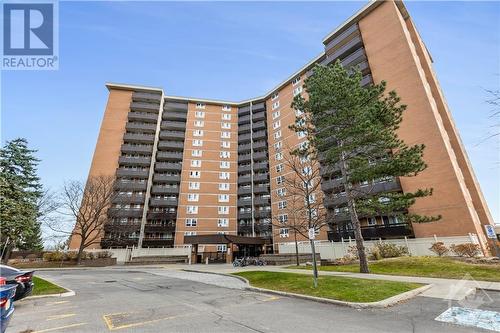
{"type": "Point", "coordinates": [425, 267]}
{"type": "Point", "coordinates": [339, 288]}
{"type": "Point", "coordinates": [44, 287]}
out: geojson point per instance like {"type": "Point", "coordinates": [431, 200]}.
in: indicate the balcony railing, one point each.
{"type": "Point", "coordinates": [141, 127]}
{"type": "Point", "coordinates": [138, 138]}
{"type": "Point", "coordinates": [159, 178]}
{"type": "Point", "coordinates": [127, 148]}
{"type": "Point", "coordinates": [163, 202]}
{"type": "Point", "coordinates": [131, 186]}
{"type": "Point", "coordinates": [132, 173]}
{"type": "Point", "coordinates": [175, 145]}
{"type": "Point", "coordinates": [143, 116]}
{"type": "Point", "coordinates": [142, 161]}
{"type": "Point", "coordinates": [147, 97]}
{"type": "Point", "coordinates": [374, 232]}
{"type": "Point", "coordinates": [164, 190]}
{"type": "Point", "coordinates": [166, 166]}
{"type": "Point", "coordinates": [144, 107]}
{"type": "Point", "coordinates": [168, 156]}
{"type": "Point", "coordinates": [175, 135]}
{"type": "Point", "coordinates": [125, 212]}
{"type": "Point", "coordinates": [176, 116]}
{"type": "Point", "coordinates": [173, 125]}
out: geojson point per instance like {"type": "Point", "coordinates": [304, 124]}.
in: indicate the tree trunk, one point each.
{"type": "Point", "coordinates": [296, 248]}
{"type": "Point", "coordinates": [315, 265]}
{"type": "Point", "coordinates": [80, 252]}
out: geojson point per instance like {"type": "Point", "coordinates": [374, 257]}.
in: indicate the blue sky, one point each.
{"type": "Point", "coordinates": [229, 51]}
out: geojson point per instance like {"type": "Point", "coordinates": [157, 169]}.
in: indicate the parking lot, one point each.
{"type": "Point", "coordinates": [142, 300]}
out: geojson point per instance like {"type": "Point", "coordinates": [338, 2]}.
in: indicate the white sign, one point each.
{"type": "Point", "coordinates": [490, 231]}
{"type": "Point", "coordinates": [312, 233]}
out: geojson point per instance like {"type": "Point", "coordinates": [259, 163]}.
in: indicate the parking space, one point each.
{"type": "Point", "coordinates": [135, 300]}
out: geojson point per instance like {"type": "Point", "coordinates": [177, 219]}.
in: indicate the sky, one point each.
{"type": "Point", "coordinates": [232, 51]}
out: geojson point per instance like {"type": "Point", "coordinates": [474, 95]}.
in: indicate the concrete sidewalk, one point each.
{"type": "Point", "coordinates": [449, 289]}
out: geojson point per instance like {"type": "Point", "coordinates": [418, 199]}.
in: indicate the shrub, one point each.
{"type": "Point", "coordinates": [352, 252]}
{"type": "Point", "coordinates": [88, 255]}
{"type": "Point", "coordinates": [439, 248]}
{"type": "Point", "coordinates": [53, 256]}
{"type": "Point", "coordinates": [387, 250]}
{"type": "Point", "coordinates": [470, 250]}
{"type": "Point", "coordinates": [104, 254]}
{"type": "Point", "coordinates": [71, 255]}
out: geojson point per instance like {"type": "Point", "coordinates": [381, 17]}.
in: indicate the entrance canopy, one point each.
{"type": "Point", "coordinates": [223, 239]}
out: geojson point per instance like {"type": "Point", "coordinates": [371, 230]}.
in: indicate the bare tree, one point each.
{"type": "Point", "coordinates": [304, 212]}
{"type": "Point", "coordinates": [85, 206]}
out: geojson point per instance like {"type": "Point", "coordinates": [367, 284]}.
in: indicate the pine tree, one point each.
{"type": "Point", "coordinates": [354, 130]}
{"type": "Point", "coordinates": [20, 190]}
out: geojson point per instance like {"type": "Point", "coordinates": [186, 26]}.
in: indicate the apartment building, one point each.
{"type": "Point", "coordinates": [196, 166]}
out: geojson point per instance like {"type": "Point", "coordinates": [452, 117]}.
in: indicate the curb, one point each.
{"type": "Point", "coordinates": [366, 305]}
{"type": "Point", "coordinates": [68, 293]}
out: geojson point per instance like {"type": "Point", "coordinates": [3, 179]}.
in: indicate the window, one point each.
{"type": "Point", "coordinates": [200, 105]}
{"type": "Point", "coordinates": [280, 168]}
{"type": "Point", "coordinates": [372, 221]}
{"type": "Point", "coordinates": [222, 248]}
{"type": "Point", "coordinates": [226, 108]}
{"type": "Point", "coordinates": [307, 171]}
{"type": "Point", "coordinates": [198, 133]}
{"type": "Point", "coordinates": [297, 90]}
{"type": "Point", "coordinates": [277, 134]}
{"type": "Point", "coordinates": [277, 124]}
{"type": "Point", "coordinates": [196, 163]}
{"type": "Point", "coordinates": [225, 125]}
{"type": "Point", "coordinates": [196, 153]}
{"type": "Point", "coordinates": [278, 145]}
{"type": "Point", "coordinates": [284, 233]}
{"type": "Point", "coordinates": [194, 185]}
{"type": "Point", "coordinates": [225, 135]}
{"type": "Point", "coordinates": [283, 218]}
{"type": "Point", "coordinates": [223, 197]}
{"type": "Point", "coordinates": [224, 154]}
{"type": "Point", "coordinates": [276, 105]}
{"type": "Point", "coordinates": [313, 213]}
{"type": "Point", "coordinates": [276, 114]}
{"type": "Point", "coordinates": [189, 233]}
{"type": "Point", "coordinates": [197, 143]}
{"type": "Point", "coordinates": [280, 180]}
{"type": "Point", "coordinates": [278, 156]}
{"type": "Point", "coordinates": [274, 96]}
{"type": "Point", "coordinates": [194, 174]}
{"type": "Point", "coordinates": [223, 210]}
{"type": "Point", "coordinates": [225, 165]}
{"type": "Point", "coordinates": [296, 80]}
{"type": "Point", "coordinates": [225, 144]}
{"type": "Point", "coordinates": [224, 187]}
{"type": "Point", "coordinates": [199, 123]}
{"type": "Point", "coordinates": [223, 175]}
{"type": "Point", "coordinates": [190, 222]}
{"type": "Point", "coordinates": [199, 114]}
{"type": "Point", "coordinates": [193, 196]}
{"type": "Point", "coordinates": [281, 204]}
{"type": "Point", "coordinates": [226, 116]}
{"type": "Point", "coordinates": [281, 192]}
{"type": "Point", "coordinates": [312, 198]}
{"type": "Point", "coordinates": [192, 209]}
{"type": "Point", "coordinates": [223, 222]}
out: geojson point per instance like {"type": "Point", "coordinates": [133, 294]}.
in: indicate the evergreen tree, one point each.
{"type": "Point", "coordinates": [354, 129]}
{"type": "Point", "coordinates": [20, 191]}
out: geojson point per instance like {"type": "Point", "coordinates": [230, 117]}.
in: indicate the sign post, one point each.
{"type": "Point", "coordinates": [491, 234]}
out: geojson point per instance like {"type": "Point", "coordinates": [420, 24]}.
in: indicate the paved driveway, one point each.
{"type": "Point", "coordinates": [136, 300]}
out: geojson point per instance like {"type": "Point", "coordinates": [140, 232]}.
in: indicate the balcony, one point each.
{"type": "Point", "coordinates": [244, 215]}
{"type": "Point", "coordinates": [259, 145]}
{"type": "Point", "coordinates": [243, 120]}
{"type": "Point", "coordinates": [164, 190]}
{"type": "Point", "coordinates": [245, 110]}
{"type": "Point", "coordinates": [259, 107]}
{"type": "Point", "coordinates": [366, 80]}
{"type": "Point", "coordinates": [261, 166]}
{"type": "Point", "coordinates": [244, 168]}
{"type": "Point", "coordinates": [173, 106]}
{"type": "Point", "coordinates": [244, 158]}
{"type": "Point", "coordinates": [259, 125]}
{"type": "Point", "coordinates": [154, 215]}
{"type": "Point", "coordinates": [158, 242]}
{"type": "Point", "coordinates": [260, 156]}
{"type": "Point", "coordinates": [146, 97]}
{"type": "Point", "coordinates": [145, 107]}
{"type": "Point", "coordinates": [171, 145]}
{"type": "Point", "coordinates": [167, 227]}
{"type": "Point", "coordinates": [261, 189]}
{"type": "Point", "coordinates": [129, 148]}
{"type": "Point", "coordinates": [168, 156]}
{"type": "Point", "coordinates": [244, 137]}
{"type": "Point", "coordinates": [166, 166]}
{"type": "Point", "coordinates": [131, 173]}
{"type": "Point", "coordinates": [332, 200]}
{"type": "Point", "coordinates": [173, 125]}
{"type": "Point", "coordinates": [143, 116]}
{"type": "Point", "coordinates": [388, 231]}
{"type": "Point", "coordinates": [159, 178]}
{"type": "Point", "coordinates": [175, 116]}
{"type": "Point", "coordinates": [140, 127]}
{"type": "Point", "coordinates": [330, 184]}
{"type": "Point", "coordinates": [244, 190]}
{"type": "Point", "coordinates": [244, 179]}
{"type": "Point", "coordinates": [163, 202]}
{"type": "Point", "coordinates": [244, 128]}
{"type": "Point", "coordinates": [259, 116]}
{"type": "Point", "coordinates": [244, 148]}
{"type": "Point", "coordinates": [129, 199]}
{"type": "Point", "coordinates": [125, 212]}
{"type": "Point", "coordinates": [344, 50]}
{"type": "Point", "coordinates": [262, 214]}
{"type": "Point", "coordinates": [107, 243]}
{"type": "Point", "coordinates": [138, 138]}
{"type": "Point", "coordinates": [172, 135]}
{"type": "Point", "coordinates": [260, 177]}
{"type": "Point", "coordinates": [130, 186]}
{"type": "Point", "coordinates": [244, 202]}
{"type": "Point", "coordinates": [261, 201]}
{"type": "Point", "coordinates": [122, 227]}
{"type": "Point", "coordinates": [142, 161]}
{"type": "Point", "coordinates": [259, 135]}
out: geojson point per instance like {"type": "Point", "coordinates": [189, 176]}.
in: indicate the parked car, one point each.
{"type": "Point", "coordinates": [23, 280]}
{"type": "Point", "coordinates": [7, 292]}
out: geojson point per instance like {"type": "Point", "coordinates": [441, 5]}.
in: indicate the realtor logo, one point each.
{"type": "Point", "coordinates": [30, 35]}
